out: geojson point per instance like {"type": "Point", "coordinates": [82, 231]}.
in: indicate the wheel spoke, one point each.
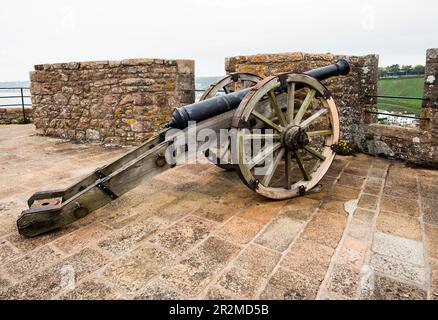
{"type": "Point", "coordinates": [287, 169]}
{"type": "Point", "coordinates": [266, 151]}
{"type": "Point", "coordinates": [314, 152]}
{"type": "Point", "coordinates": [300, 162]}
{"type": "Point", "coordinates": [223, 151]}
{"type": "Point", "coordinates": [276, 107]}
{"type": "Point", "coordinates": [313, 117]}
{"type": "Point", "coordinates": [298, 127]}
{"type": "Point", "coordinates": [256, 136]}
{"type": "Point", "coordinates": [319, 133]}
{"type": "Point", "coordinates": [266, 121]}
{"type": "Point", "coordinates": [290, 102]}
{"type": "Point", "coordinates": [272, 168]}
{"type": "Point", "coordinates": [309, 97]}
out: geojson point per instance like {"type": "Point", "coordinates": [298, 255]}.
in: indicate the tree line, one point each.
{"type": "Point", "coordinates": [395, 70]}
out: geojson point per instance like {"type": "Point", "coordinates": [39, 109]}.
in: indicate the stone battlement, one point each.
{"type": "Point", "coordinates": [14, 115]}
{"type": "Point", "coordinates": [351, 92]}
{"type": "Point", "coordinates": [354, 95]}
{"type": "Point", "coordinates": [115, 102]}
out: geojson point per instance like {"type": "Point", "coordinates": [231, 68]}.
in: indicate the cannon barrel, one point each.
{"type": "Point", "coordinates": [202, 110]}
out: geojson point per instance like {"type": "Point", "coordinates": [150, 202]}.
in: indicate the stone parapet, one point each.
{"type": "Point", "coordinates": [115, 102]}
{"type": "Point", "coordinates": [430, 105]}
{"type": "Point", "coordinates": [351, 93]}
{"type": "Point", "coordinates": [14, 115]}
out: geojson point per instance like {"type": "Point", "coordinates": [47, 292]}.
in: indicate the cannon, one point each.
{"type": "Point", "coordinates": [280, 135]}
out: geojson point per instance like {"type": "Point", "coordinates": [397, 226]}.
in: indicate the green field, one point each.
{"type": "Point", "coordinates": [406, 87]}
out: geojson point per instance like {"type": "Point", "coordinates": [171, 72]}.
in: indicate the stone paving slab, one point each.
{"type": "Point", "coordinates": [196, 231]}
{"type": "Point", "coordinates": [290, 285]}
{"type": "Point", "coordinates": [308, 258]}
{"type": "Point", "coordinates": [385, 288]}
{"type": "Point", "coordinates": [398, 248]}
{"type": "Point", "coordinates": [399, 269]}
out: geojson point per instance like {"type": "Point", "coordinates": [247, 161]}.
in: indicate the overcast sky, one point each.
{"type": "Point", "coordinates": [46, 31]}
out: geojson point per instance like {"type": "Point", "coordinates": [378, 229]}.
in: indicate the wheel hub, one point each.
{"type": "Point", "coordinates": [294, 138]}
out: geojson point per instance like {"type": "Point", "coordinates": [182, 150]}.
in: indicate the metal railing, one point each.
{"type": "Point", "coordinates": [400, 98]}
{"type": "Point", "coordinates": [397, 115]}
{"type": "Point", "coordinates": [22, 96]}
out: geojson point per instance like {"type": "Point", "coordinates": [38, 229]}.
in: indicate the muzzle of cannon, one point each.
{"type": "Point", "coordinates": [280, 134]}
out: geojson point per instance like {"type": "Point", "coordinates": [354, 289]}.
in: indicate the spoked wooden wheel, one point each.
{"type": "Point", "coordinates": [293, 151]}
{"type": "Point", "coordinates": [231, 83]}
{"type": "Point", "coordinates": [228, 84]}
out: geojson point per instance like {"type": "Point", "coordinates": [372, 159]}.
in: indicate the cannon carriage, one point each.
{"type": "Point", "coordinates": [280, 138]}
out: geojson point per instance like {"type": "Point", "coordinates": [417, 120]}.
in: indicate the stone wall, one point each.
{"type": "Point", "coordinates": [115, 102]}
{"type": "Point", "coordinates": [412, 145]}
{"type": "Point", "coordinates": [430, 107]}
{"type": "Point", "coordinates": [419, 145]}
{"type": "Point", "coordinates": [14, 115]}
{"type": "Point", "coordinates": [350, 92]}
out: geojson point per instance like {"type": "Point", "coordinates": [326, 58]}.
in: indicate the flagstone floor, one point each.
{"type": "Point", "coordinates": [198, 232]}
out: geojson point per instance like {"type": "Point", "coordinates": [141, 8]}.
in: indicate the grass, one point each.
{"type": "Point", "coordinates": [407, 87]}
